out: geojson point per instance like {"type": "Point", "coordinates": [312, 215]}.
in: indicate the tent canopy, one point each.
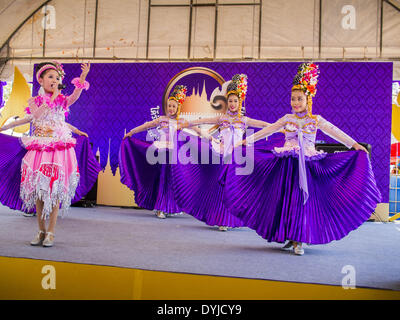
{"type": "Point", "coordinates": [169, 30]}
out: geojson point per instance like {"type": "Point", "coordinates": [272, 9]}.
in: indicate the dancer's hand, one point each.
{"type": "Point", "coordinates": [182, 125]}
{"type": "Point", "coordinates": [208, 136]}
{"type": "Point", "coordinates": [81, 133]}
{"type": "Point", "coordinates": [240, 143]}
{"type": "Point", "coordinates": [129, 134]}
{"type": "Point", "coordinates": [85, 67]}
{"type": "Point", "coordinates": [56, 91]}
{"type": "Point", "coordinates": [358, 146]}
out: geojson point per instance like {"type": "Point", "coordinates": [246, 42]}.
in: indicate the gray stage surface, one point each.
{"type": "Point", "coordinates": [133, 238]}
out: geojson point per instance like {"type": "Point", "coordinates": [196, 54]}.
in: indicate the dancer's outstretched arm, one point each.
{"type": "Point", "coordinates": [34, 111]}
{"type": "Point", "coordinates": [275, 127]}
{"type": "Point", "coordinates": [197, 130]}
{"type": "Point", "coordinates": [257, 123]}
{"type": "Point", "coordinates": [337, 134]}
{"type": "Point", "coordinates": [17, 123]}
{"type": "Point", "coordinates": [77, 131]}
{"type": "Point", "coordinates": [202, 133]}
{"type": "Point", "coordinates": [145, 126]}
{"type": "Point", "coordinates": [188, 124]}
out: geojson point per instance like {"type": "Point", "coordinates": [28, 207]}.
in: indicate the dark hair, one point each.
{"type": "Point", "coordinates": [231, 86]}
{"type": "Point", "coordinates": [40, 65]}
{"type": "Point", "coordinates": [233, 93]}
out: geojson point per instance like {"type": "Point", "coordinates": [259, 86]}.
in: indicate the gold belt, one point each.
{"type": "Point", "coordinates": [43, 132]}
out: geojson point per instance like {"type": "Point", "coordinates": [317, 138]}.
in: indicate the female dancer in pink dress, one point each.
{"type": "Point", "coordinates": [49, 171]}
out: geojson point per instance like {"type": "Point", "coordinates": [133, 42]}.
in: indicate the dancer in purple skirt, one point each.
{"type": "Point", "coordinates": [299, 194]}
{"type": "Point", "coordinates": [151, 180]}
{"type": "Point", "coordinates": [197, 187]}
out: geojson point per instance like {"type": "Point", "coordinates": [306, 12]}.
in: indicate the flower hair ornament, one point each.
{"type": "Point", "coordinates": [306, 80]}
{"type": "Point", "coordinates": [238, 86]}
{"type": "Point", "coordinates": [179, 95]}
{"type": "Point", "coordinates": [55, 65]}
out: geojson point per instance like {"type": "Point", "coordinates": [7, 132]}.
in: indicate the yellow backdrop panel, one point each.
{"type": "Point", "coordinates": [17, 102]}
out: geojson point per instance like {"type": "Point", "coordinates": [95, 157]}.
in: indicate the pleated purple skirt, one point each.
{"type": "Point", "coordinates": [342, 195]}
{"type": "Point", "coordinates": [151, 183]}
{"type": "Point", "coordinates": [88, 166]}
{"type": "Point", "coordinates": [199, 194]}
{"type": "Point", "coordinates": [199, 191]}
{"type": "Point", "coordinates": [11, 154]}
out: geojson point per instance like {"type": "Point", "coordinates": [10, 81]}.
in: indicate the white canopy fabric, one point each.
{"type": "Point", "coordinates": [120, 30]}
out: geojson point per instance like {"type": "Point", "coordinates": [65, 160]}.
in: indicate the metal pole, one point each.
{"type": "Point", "coordinates": [148, 30]}
{"type": "Point", "coordinates": [190, 28]}
{"type": "Point", "coordinates": [44, 30]}
{"type": "Point", "coordinates": [259, 31]}
{"type": "Point", "coordinates": [381, 32]}
{"type": "Point", "coordinates": [95, 29]}
{"type": "Point", "coordinates": [320, 30]}
{"type": "Point", "coordinates": [215, 29]}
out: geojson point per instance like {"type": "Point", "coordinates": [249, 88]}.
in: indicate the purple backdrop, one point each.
{"type": "Point", "coordinates": [355, 96]}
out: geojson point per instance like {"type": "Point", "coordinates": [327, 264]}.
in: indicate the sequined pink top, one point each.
{"type": "Point", "coordinates": [50, 131]}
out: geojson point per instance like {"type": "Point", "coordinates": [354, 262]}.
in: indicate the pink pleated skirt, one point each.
{"type": "Point", "coordinates": [50, 175]}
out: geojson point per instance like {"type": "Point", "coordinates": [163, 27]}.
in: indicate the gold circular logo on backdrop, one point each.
{"type": "Point", "coordinates": [197, 103]}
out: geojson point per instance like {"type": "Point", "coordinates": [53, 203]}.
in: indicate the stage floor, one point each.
{"type": "Point", "coordinates": [133, 238]}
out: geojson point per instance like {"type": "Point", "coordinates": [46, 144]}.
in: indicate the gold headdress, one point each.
{"type": "Point", "coordinates": [238, 86]}
{"type": "Point", "coordinates": [179, 95]}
